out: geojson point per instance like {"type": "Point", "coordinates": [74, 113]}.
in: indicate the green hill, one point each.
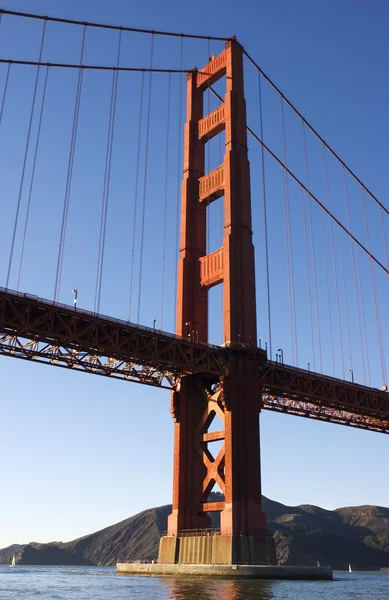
{"type": "Point", "coordinates": [303, 535]}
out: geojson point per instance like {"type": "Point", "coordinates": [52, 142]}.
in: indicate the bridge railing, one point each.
{"type": "Point", "coordinates": [311, 373]}
{"type": "Point", "coordinates": [105, 317]}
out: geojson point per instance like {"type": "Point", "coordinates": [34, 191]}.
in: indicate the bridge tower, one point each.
{"type": "Point", "coordinates": [235, 398]}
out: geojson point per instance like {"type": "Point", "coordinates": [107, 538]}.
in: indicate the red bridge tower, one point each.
{"type": "Point", "coordinates": [235, 398]}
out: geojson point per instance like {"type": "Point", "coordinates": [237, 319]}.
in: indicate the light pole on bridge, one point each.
{"type": "Point", "coordinates": [75, 292]}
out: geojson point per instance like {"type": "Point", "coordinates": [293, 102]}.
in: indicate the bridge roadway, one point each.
{"type": "Point", "coordinates": [32, 328]}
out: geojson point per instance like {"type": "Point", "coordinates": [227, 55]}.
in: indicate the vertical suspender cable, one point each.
{"type": "Point", "coordinates": [265, 219]}
{"type": "Point", "coordinates": [32, 176]}
{"type": "Point", "coordinates": [107, 180]}
{"type": "Point", "coordinates": [4, 92]}
{"type": "Point", "coordinates": [25, 156]}
{"type": "Point", "coordinates": [289, 249]}
{"type": "Point", "coordinates": [69, 174]}
{"type": "Point", "coordinates": [328, 290]}
{"type": "Point", "coordinates": [179, 175]}
{"type": "Point", "coordinates": [354, 275]}
{"type": "Point", "coordinates": [384, 238]}
{"type": "Point", "coordinates": [136, 192]}
{"type": "Point", "coordinates": [145, 180]}
{"type": "Point", "coordinates": [5, 84]}
{"type": "Point", "coordinates": [377, 307]}
{"type": "Point", "coordinates": [165, 196]}
{"type": "Point", "coordinates": [334, 263]}
{"type": "Point", "coordinates": [313, 250]}
{"type": "Point", "coordinates": [345, 299]}
{"type": "Point", "coordinates": [309, 277]}
{"type": "Point", "coordinates": [364, 330]}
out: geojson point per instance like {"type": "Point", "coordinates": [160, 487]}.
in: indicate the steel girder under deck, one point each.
{"type": "Point", "coordinates": [35, 329]}
{"type": "Point", "coordinates": [308, 394]}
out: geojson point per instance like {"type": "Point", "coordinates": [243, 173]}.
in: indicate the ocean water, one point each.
{"type": "Point", "coordinates": [102, 583]}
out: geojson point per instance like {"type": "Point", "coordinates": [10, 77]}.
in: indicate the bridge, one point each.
{"type": "Point", "coordinates": [208, 278]}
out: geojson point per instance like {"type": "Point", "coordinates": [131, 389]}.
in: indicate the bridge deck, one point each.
{"type": "Point", "coordinates": [36, 329]}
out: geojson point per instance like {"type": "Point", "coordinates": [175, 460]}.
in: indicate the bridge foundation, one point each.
{"type": "Point", "coordinates": [215, 549]}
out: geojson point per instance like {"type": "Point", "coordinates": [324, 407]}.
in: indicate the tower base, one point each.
{"type": "Point", "coordinates": [225, 571]}
{"type": "Point", "coordinates": [217, 550]}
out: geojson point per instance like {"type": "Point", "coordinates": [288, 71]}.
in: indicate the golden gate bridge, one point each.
{"type": "Point", "coordinates": [106, 181]}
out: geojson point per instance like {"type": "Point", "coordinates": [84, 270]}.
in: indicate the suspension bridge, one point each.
{"type": "Point", "coordinates": [125, 178]}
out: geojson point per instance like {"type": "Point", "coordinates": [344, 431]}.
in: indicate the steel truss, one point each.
{"type": "Point", "coordinates": [308, 394]}
{"type": "Point", "coordinates": [35, 329]}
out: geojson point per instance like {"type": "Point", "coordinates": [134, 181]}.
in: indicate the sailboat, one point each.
{"type": "Point", "coordinates": [350, 569]}
{"type": "Point", "coordinates": [13, 562]}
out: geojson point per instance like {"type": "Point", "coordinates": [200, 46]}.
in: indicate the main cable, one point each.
{"type": "Point", "coordinates": [117, 27]}
{"type": "Point", "coordinates": [315, 198]}
{"type": "Point", "coordinates": [36, 63]}
{"type": "Point", "coordinates": [289, 103]}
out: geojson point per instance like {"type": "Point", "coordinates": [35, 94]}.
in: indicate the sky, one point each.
{"type": "Point", "coordinates": [79, 452]}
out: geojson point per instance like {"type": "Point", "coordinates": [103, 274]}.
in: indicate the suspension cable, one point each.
{"type": "Point", "coordinates": [265, 219]}
{"type": "Point", "coordinates": [309, 278]}
{"type": "Point", "coordinates": [36, 63]}
{"type": "Point", "coordinates": [352, 249]}
{"type": "Point", "coordinates": [328, 291]}
{"type": "Point", "coordinates": [289, 248]}
{"type": "Point", "coordinates": [69, 174]}
{"type": "Point", "coordinates": [107, 181]}
{"type": "Point", "coordinates": [25, 158]}
{"type": "Point", "coordinates": [178, 197]}
{"type": "Point", "coordinates": [4, 93]}
{"type": "Point", "coordinates": [314, 131]}
{"type": "Point", "coordinates": [165, 197]}
{"type": "Point", "coordinates": [377, 307]}
{"type": "Point", "coordinates": [316, 199]}
{"type": "Point", "coordinates": [334, 263]}
{"type": "Point", "coordinates": [307, 190]}
{"type": "Point", "coordinates": [145, 181]}
{"type": "Point", "coordinates": [345, 298]}
{"type": "Point", "coordinates": [136, 192]}
{"type": "Point", "coordinates": [362, 305]}
{"type": "Point", "coordinates": [32, 176]}
{"type": "Point", "coordinates": [384, 238]}
{"type": "Point", "coordinates": [117, 27]}
{"type": "Point", "coordinates": [312, 249]}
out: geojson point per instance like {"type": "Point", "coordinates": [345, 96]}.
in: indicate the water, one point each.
{"type": "Point", "coordinates": [101, 583]}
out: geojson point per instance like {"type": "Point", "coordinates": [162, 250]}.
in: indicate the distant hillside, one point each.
{"type": "Point", "coordinates": [303, 535]}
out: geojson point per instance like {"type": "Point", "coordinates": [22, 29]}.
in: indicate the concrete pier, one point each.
{"type": "Point", "coordinates": [225, 571]}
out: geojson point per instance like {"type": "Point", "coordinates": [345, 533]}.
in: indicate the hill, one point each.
{"type": "Point", "coordinates": [303, 535]}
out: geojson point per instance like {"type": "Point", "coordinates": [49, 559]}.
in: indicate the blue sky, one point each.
{"type": "Point", "coordinates": [81, 452]}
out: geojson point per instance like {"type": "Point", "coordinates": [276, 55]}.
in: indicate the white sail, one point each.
{"type": "Point", "coordinates": [13, 562]}
{"type": "Point", "coordinates": [350, 569]}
